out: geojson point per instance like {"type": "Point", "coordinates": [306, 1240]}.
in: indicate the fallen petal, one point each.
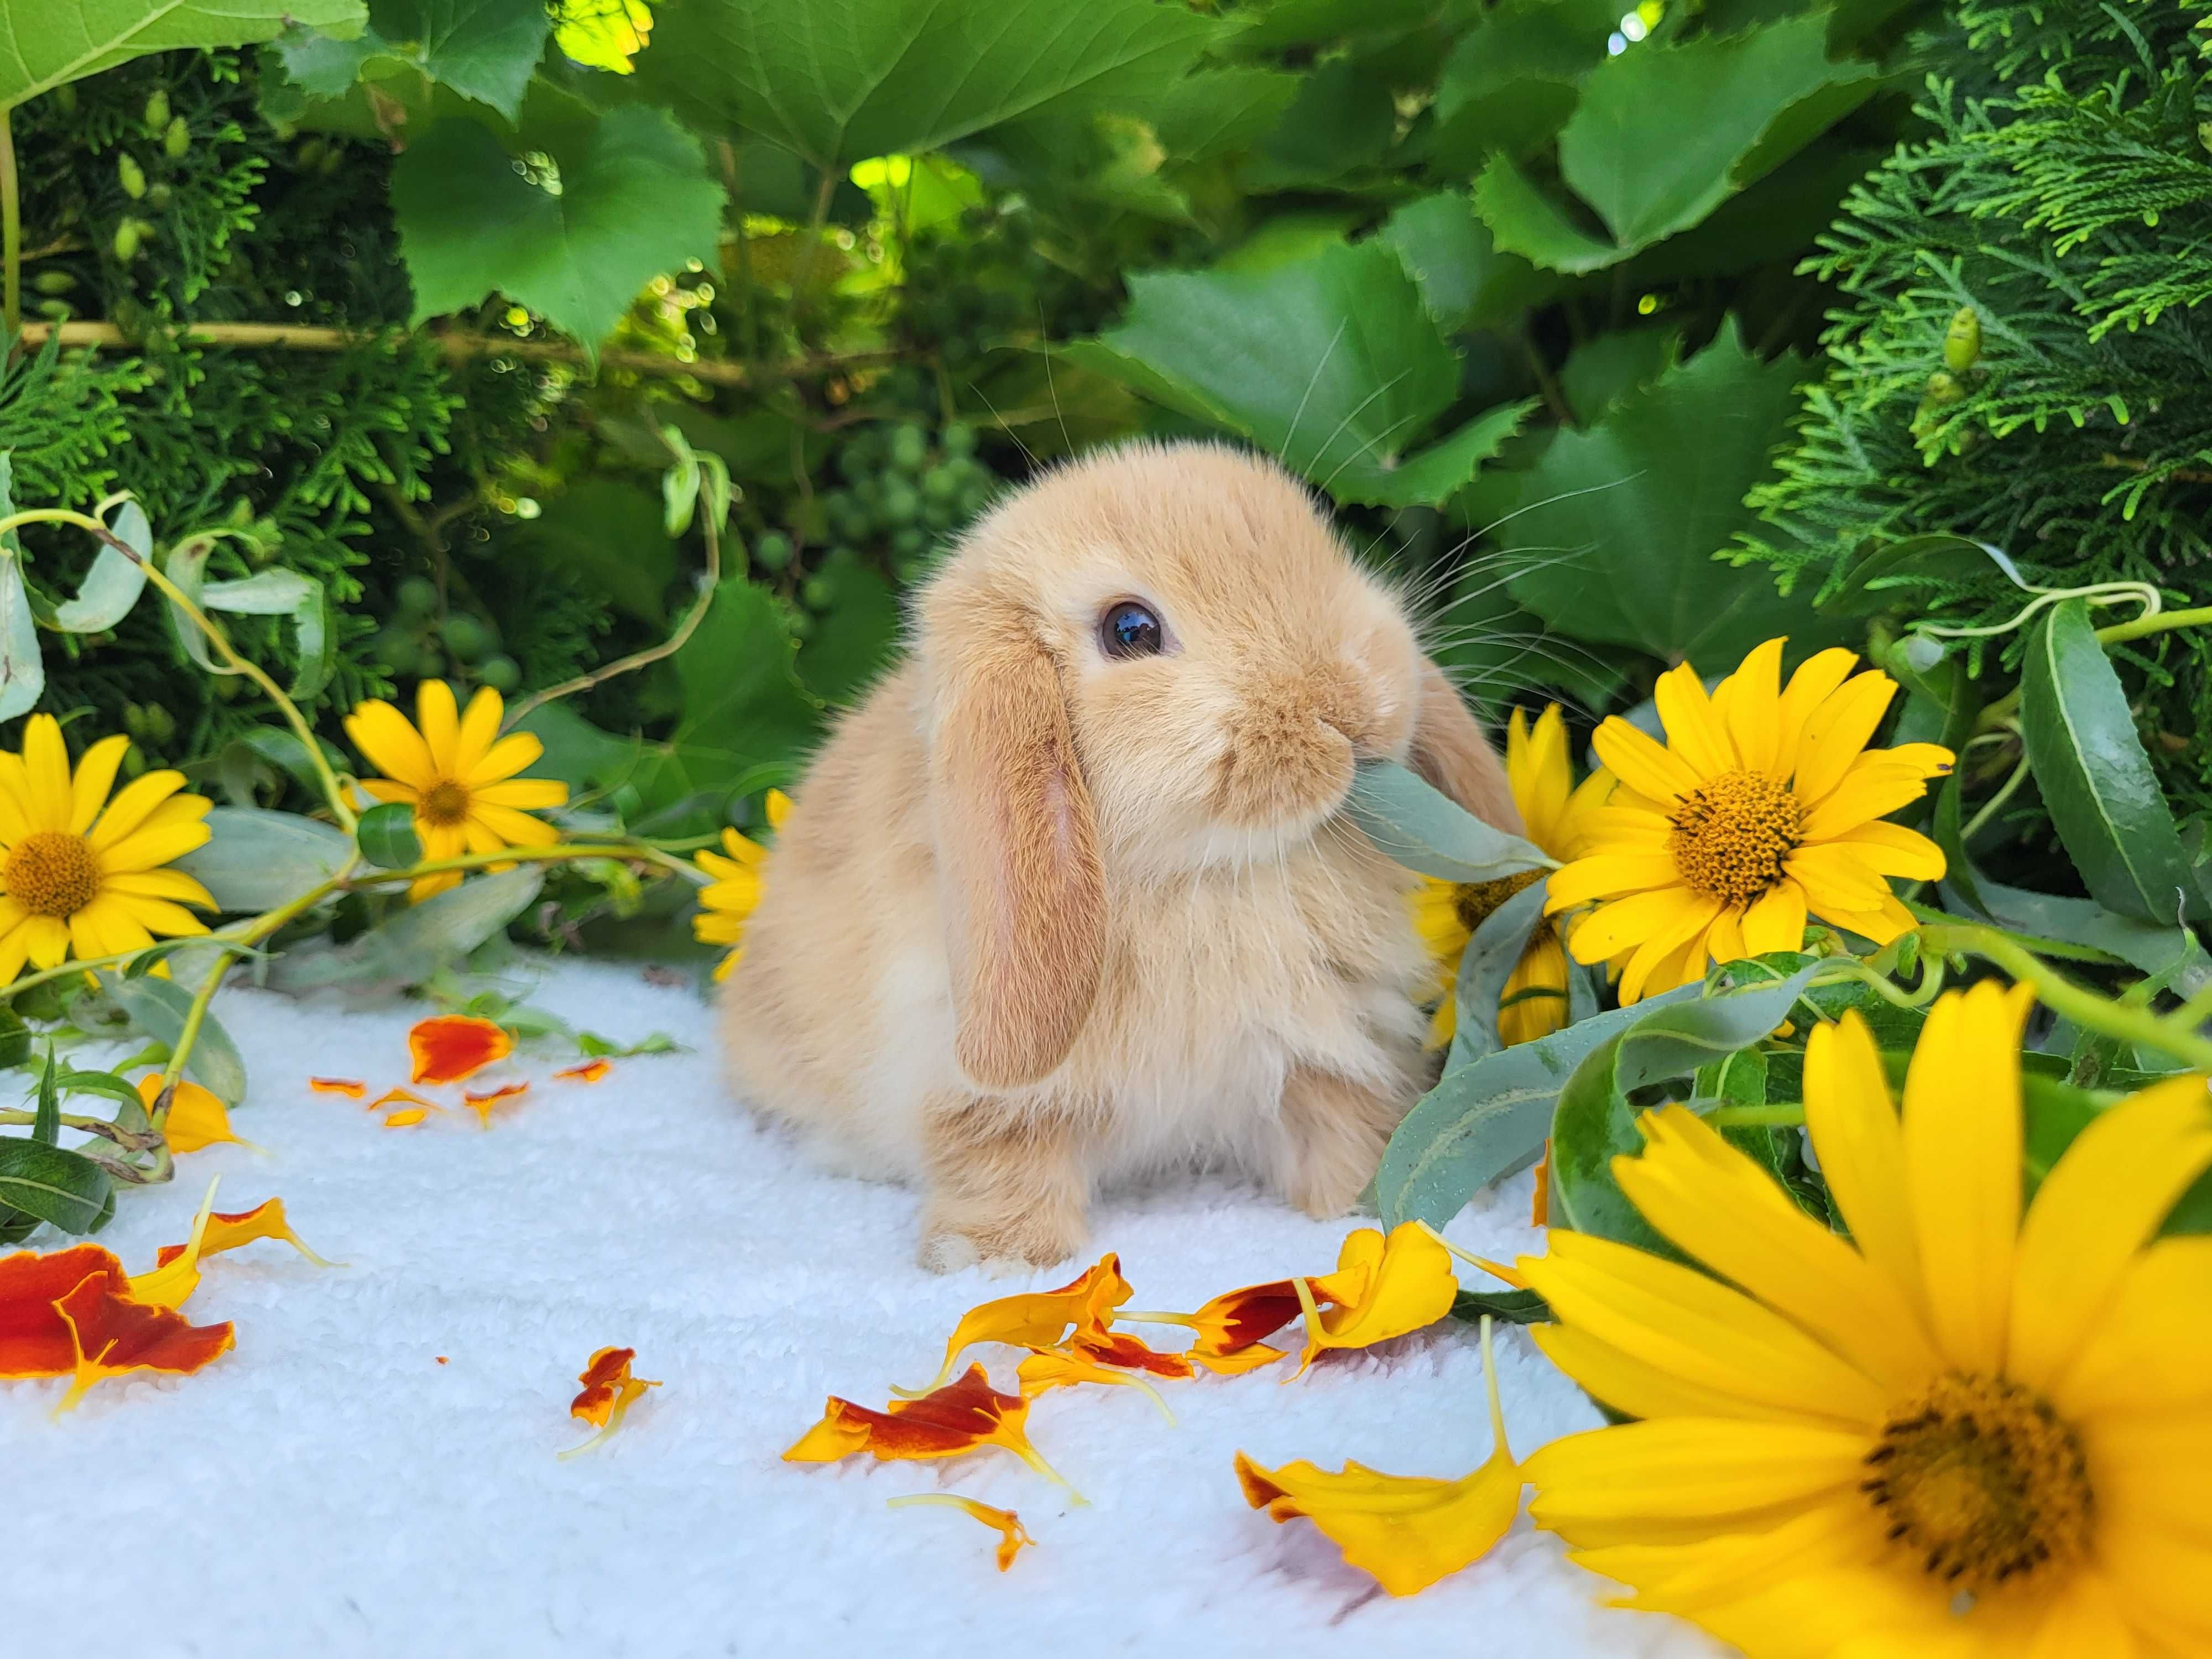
{"type": "Point", "coordinates": [483, 1103]}
{"type": "Point", "coordinates": [196, 1117]}
{"type": "Point", "coordinates": [34, 1340]}
{"type": "Point", "coordinates": [1005, 1523]}
{"type": "Point", "coordinates": [351, 1088]}
{"type": "Point", "coordinates": [450, 1047]}
{"type": "Point", "coordinates": [111, 1335]}
{"type": "Point", "coordinates": [608, 1394]}
{"type": "Point", "coordinates": [590, 1072]}
{"type": "Point", "coordinates": [1038, 1319]}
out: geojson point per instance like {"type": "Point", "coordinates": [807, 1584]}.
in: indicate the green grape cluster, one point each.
{"type": "Point", "coordinates": [985, 276]}
{"type": "Point", "coordinates": [418, 641]}
{"type": "Point", "coordinates": [905, 491]}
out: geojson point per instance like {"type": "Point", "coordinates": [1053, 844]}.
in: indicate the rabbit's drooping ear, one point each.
{"type": "Point", "coordinates": [1450, 752]}
{"type": "Point", "coordinates": [1023, 893]}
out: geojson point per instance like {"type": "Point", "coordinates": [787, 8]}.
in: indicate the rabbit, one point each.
{"type": "Point", "coordinates": [1069, 897]}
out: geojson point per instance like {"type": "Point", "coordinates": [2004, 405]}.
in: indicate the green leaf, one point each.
{"type": "Point", "coordinates": [46, 46]}
{"type": "Point", "coordinates": [46, 1128]}
{"type": "Point", "coordinates": [854, 640]}
{"type": "Point", "coordinates": [1488, 1118]}
{"type": "Point", "coordinates": [744, 705]}
{"type": "Point", "coordinates": [1465, 282]}
{"type": "Point", "coordinates": [413, 941]}
{"type": "Point", "coordinates": [1664, 133]}
{"type": "Point", "coordinates": [1673, 1042]}
{"type": "Point", "coordinates": [14, 1040]}
{"type": "Point", "coordinates": [2096, 781]}
{"type": "Point", "coordinates": [55, 1185]}
{"type": "Point", "coordinates": [1513, 80]}
{"type": "Point", "coordinates": [1898, 576]}
{"type": "Point", "coordinates": [387, 837]}
{"type": "Point", "coordinates": [284, 593]}
{"type": "Point", "coordinates": [611, 534]}
{"type": "Point", "coordinates": [1222, 111]}
{"type": "Point", "coordinates": [1310, 22]}
{"type": "Point", "coordinates": [1424, 829]}
{"type": "Point", "coordinates": [469, 223]}
{"type": "Point", "coordinates": [22, 670]}
{"type": "Point", "coordinates": [159, 1008]}
{"type": "Point", "coordinates": [1507, 1307]}
{"type": "Point", "coordinates": [1620, 522]}
{"type": "Point", "coordinates": [113, 584]}
{"type": "Point", "coordinates": [1332, 363]}
{"type": "Point", "coordinates": [837, 81]}
{"type": "Point", "coordinates": [254, 861]}
{"type": "Point", "coordinates": [1489, 960]}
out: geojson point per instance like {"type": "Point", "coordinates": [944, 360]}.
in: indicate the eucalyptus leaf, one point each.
{"type": "Point", "coordinates": [413, 941]}
{"type": "Point", "coordinates": [1489, 1117]}
{"type": "Point", "coordinates": [187, 568]}
{"type": "Point", "coordinates": [22, 669]}
{"type": "Point", "coordinates": [387, 836]}
{"type": "Point", "coordinates": [158, 1008]}
{"type": "Point", "coordinates": [113, 584]}
{"type": "Point", "coordinates": [255, 860]}
{"type": "Point", "coordinates": [1424, 829]}
{"type": "Point", "coordinates": [284, 594]}
{"type": "Point", "coordinates": [56, 1185]}
{"type": "Point", "coordinates": [1489, 960]}
{"type": "Point", "coordinates": [14, 1040]}
{"type": "Point", "coordinates": [2097, 782]}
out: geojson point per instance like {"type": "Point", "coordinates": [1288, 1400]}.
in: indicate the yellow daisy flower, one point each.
{"type": "Point", "coordinates": [727, 902]}
{"type": "Point", "coordinates": [81, 878]}
{"type": "Point", "coordinates": [1971, 1434]}
{"type": "Point", "coordinates": [458, 773]}
{"type": "Point", "coordinates": [1557, 815]}
{"type": "Point", "coordinates": [1764, 806]}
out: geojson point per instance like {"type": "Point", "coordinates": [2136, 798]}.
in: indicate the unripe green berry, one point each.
{"type": "Point", "coordinates": [57, 311]}
{"type": "Point", "coordinates": [1945, 387]}
{"type": "Point", "coordinates": [466, 637]}
{"type": "Point", "coordinates": [133, 176]}
{"type": "Point", "coordinates": [159, 195]}
{"type": "Point", "coordinates": [157, 109]}
{"type": "Point", "coordinates": [1962, 341]}
{"type": "Point", "coordinates": [502, 673]}
{"type": "Point", "coordinates": [417, 596]}
{"type": "Point", "coordinates": [773, 550]}
{"type": "Point", "coordinates": [818, 592]}
{"type": "Point", "coordinates": [176, 138]}
{"type": "Point", "coordinates": [127, 235]}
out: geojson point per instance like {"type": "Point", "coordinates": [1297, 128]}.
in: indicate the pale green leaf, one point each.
{"type": "Point", "coordinates": [254, 861]}
{"type": "Point", "coordinates": [1424, 829]}
{"type": "Point", "coordinates": [158, 1008]}
{"type": "Point", "coordinates": [49, 43]}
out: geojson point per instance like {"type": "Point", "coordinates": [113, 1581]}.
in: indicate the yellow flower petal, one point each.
{"type": "Point", "coordinates": [1727, 1213]}
{"type": "Point", "coordinates": [1540, 773]}
{"type": "Point", "coordinates": [1607, 873]}
{"type": "Point", "coordinates": [134, 804]}
{"type": "Point", "coordinates": [1664, 944]}
{"type": "Point", "coordinates": [95, 776]}
{"type": "Point", "coordinates": [1626, 923]}
{"type": "Point", "coordinates": [49, 940]}
{"type": "Point", "coordinates": [1814, 681]}
{"type": "Point", "coordinates": [1689, 1469]}
{"type": "Point", "coordinates": [47, 801]}
{"type": "Point", "coordinates": [14, 799]}
{"type": "Point", "coordinates": [1837, 730]}
{"type": "Point", "coordinates": [2151, 1350]}
{"type": "Point", "coordinates": [1891, 849]}
{"type": "Point", "coordinates": [2094, 1212]}
{"type": "Point", "coordinates": [1637, 1389]}
{"type": "Point", "coordinates": [1384, 1288]}
{"type": "Point", "coordinates": [479, 728]}
{"type": "Point", "coordinates": [1773, 921]}
{"type": "Point", "coordinates": [155, 844]}
{"type": "Point", "coordinates": [1751, 702]}
{"type": "Point", "coordinates": [173, 884]}
{"type": "Point", "coordinates": [1694, 731]}
{"type": "Point", "coordinates": [1962, 1166]}
{"type": "Point", "coordinates": [779, 808]}
{"type": "Point", "coordinates": [1693, 1326]}
{"type": "Point", "coordinates": [1643, 764]}
{"type": "Point", "coordinates": [1836, 881]}
{"type": "Point", "coordinates": [510, 755]}
{"type": "Point", "coordinates": [1860, 1145]}
{"type": "Point", "coordinates": [439, 718]}
{"type": "Point", "coordinates": [389, 742]}
{"type": "Point", "coordinates": [1534, 1001]}
{"type": "Point", "coordinates": [525, 794]}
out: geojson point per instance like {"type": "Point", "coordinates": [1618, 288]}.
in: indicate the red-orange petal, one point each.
{"type": "Point", "coordinates": [402, 1098]}
{"type": "Point", "coordinates": [34, 1340]}
{"type": "Point", "coordinates": [590, 1072]}
{"type": "Point", "coordinates": [956, 1418]}
{"type": "Point", "coordinates": [110, 1334]}
{"type": "Point", "coordinates": [1129, 1353]}
{"type": "Point", "coordinates": [227, 1233]}
{"type": "Point", "coordinates": [351, 1088]}
{"type": "Point", "coordinates": [483, 1103]}
{"type": "Point", "coordinates": [450, 1047]}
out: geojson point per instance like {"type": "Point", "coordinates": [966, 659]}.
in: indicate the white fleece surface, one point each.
{"type": "Point", "coordinates": [330, 1489]}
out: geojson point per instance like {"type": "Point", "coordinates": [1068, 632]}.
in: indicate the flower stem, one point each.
{"type": "Point", "coordinates": [1748, 1117]}
{"type": "Point", "coordinates": [2156, 622]}
{"type": "Point", "coordinates": [554, 855]}
{"type": "Point", "coordinates": [2062, 995]}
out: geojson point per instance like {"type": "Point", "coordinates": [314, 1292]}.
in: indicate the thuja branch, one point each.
{"type": "Point", "coordinates": [460, 346]}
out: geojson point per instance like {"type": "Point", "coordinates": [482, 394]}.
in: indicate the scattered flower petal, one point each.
{"type": "Point", "coordinates": [590, 1072]}
{"type": "Point", "coordinates": [110, 1335]}
{"type": "Point", "coordinates": [1008, 1525]}
{"type": "Point", "coordinates": [1383, 1288]}
{"type": "Point", "coordinates": [483, 1103]}
{"type": "Point", "coordinates": [1406, 1531]}
{"type": "Point", "coordinates": [1038, 1319]}
{"type": "Point", "coordinates": [402, 1098]}
{"type": "Point", "coordinates": [1230, 1327]}
{"type": "Point", "coordinates": [609, 1392]}
{"type": "Point", "coordinates": [450, 1047]}
{"type": "Point", "coordinates": [1057, 1368]}
{"type": "Point", "coordinates": [196, 1117]}
{"type": "Point", "coordinates": [962, 1417]}
{"type": "Point", "coordinates": [34, 1340]}
{"type": "Point", "coordinates": [408, 1116]}
{"type": "Point", "coordinates": [351, 1088]}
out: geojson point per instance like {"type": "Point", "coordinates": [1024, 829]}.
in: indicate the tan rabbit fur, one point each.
{"type": "Point", "coordinates": [1041, 916]}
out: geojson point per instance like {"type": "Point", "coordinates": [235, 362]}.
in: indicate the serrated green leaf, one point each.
{"type": "Point", "coordinates": [1465, 282]}
{"type": "Point", "coordinates": [1487, 1118]}
{"type": "Point", "coordinates": [2097, 782]}
{"type": "Point", "coordinates": [113, 584]}
{"type": "Point", "coordinates": [1311, 22]}
{"type": "Point", "coordinates": [47, 45]}
{"type": "Point", "coordinates": [1424, 829]}
{"type": "Point", "coordinates": [158, 1008]}
{"type": "Point", "coordinates": [1622, 520]}
{"type": "Point", "coordinates": [470, 224]}
{"type": "Point", "coordinates": [254, 861]}
{"type": "Point", "coordinates": [1222, 112]}
{"type": "Point", "coordinates": [836, 81]}
{"type": "Point", "coordinates": [55, 1185]}
{"type": "Point", "coordinates": [1332, 362]}
{"type": "Point", "coordinates": [1513, 80]}
{"type": "Point", "coordinates": [387, 837]}
{"type": "Point", "coordinates": [856, 638]}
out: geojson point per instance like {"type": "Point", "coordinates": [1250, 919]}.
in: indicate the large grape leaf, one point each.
{"type": "Point", "coordinates": [48, 43]}
{"type": "Point", "coordinates": [1663, 134]}
{"type": "Point", "coordinates": [469, 223]}
{"type": "Point", "coordinates": [1332, 361]}
{"type": "Point", "coordinates": [1621, 519]}
{"type": "Point", "coordinates": [484, 49]}
{"type": "Point", "coordinates": [1511, 82]}
{"type": "Point", "coordinates": [836, 81]}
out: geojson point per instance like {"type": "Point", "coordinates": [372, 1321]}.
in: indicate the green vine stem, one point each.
{"type": "Point", "coordinates": [2167, 1034]}
{"type": "Point", "coordinates": [2156, 622]}
{"type": "Point", "coordinates": [11, 227]}
{"type": "Point", "coordinates": [1756, 1117]}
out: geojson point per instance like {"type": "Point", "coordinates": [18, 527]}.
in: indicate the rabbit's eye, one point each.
{"type": "Point", "coordinates": [1130, 630]}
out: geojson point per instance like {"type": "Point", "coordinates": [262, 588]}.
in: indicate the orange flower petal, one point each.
{"type": "Point", "coordinates": [608, 1394]}
{"type": "Point", "coordinates": [1229, 1326]}
{"type": "Point", "coordinates": [110, 1335]}
{"type": "Point", "coordinates": [1038, 1319]}
{"type": "Point", "coordinates": [34, 1340]}
{"type": "Point", "coordinates": [1540, 1207]}
{"type": "Point", "coordinates": [402, 1098]}
{"type": "Point", "coordinates": [351, 1088]}
{"type": "Point", "coordinates": [1129, 1353]}
{"type": "Point", "coordinates": [483, 1102]}
{"type": "Point", "coordinates": [1005, 1523]}
{"type": "Point", "coordinates": [196, 1117]}
{"type": "Point", "coordinates": [453, 1046]}
{"type": "Point", "coordinates": [961, 1417]}
{"type": "Point", "coordinates": [408, 1117]}
{"type": "Point", "coordinates": [590, 1072]}
{"type": "Point", "coordinates": [227, 1233]}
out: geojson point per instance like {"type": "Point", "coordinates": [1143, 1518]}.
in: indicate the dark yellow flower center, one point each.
{"type": "Point", "coordinates": [53, 873]}
{"type": "Point", "coordinates": [444, 803]}
{"type": "Point", "coordinates": [1732, 835]}
{"type": "Point", "coordinates": [1475, 901]}
{"type": "Point", "coordinates": [1980, 1479]}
